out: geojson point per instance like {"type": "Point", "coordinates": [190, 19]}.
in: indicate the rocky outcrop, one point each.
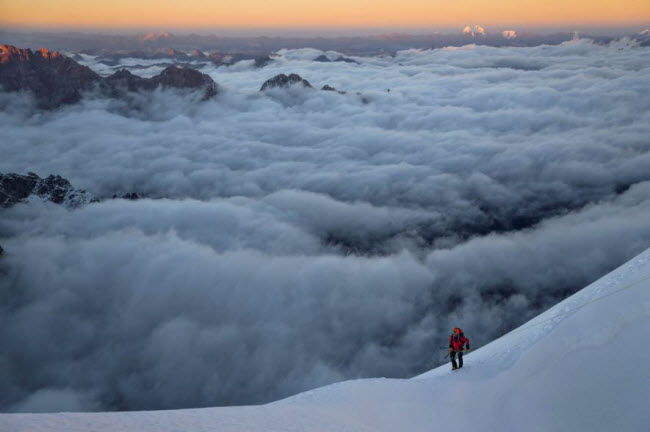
{"type": "Point", "coordinates": [186, 78]}
{"type": "Point", "coordinates": [52, 78]}
{"type": "Point", "coordinates": [285, 81]}
{"type": "Point", "coordinates": [170, 77]}
{"type": "Point", "coordinates": [322, 59]}
{"type": "Point", "coordinates": [15, 188]}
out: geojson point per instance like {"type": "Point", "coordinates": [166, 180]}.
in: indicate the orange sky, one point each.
{"type": "Point", "coordinates": [216, 14]}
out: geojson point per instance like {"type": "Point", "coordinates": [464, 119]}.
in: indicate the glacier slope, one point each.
{"type": "Point", "coordinates": [582, 365]}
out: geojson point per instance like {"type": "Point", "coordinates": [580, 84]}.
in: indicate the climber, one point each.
{"type": "Point", "coordinates": [456, 342]}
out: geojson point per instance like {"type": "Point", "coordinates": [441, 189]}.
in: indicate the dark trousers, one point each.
{"type": "Point", "coordinates": [452, 355]}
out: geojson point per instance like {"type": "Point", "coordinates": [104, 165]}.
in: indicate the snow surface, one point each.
{"type": "Point", "coordinates": [583, 365]}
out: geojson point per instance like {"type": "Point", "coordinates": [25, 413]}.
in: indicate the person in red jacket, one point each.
{"type": "Point", "coordinates": [456, 342]}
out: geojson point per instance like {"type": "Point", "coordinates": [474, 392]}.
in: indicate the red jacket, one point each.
{"type": "Point", "coordinates": [456, 342]}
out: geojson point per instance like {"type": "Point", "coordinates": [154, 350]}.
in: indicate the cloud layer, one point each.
{"type": "Point", "coordinates": [305, 237]}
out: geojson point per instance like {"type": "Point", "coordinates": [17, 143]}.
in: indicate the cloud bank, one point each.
{"type": "Point", "coordinates": [296, 239]}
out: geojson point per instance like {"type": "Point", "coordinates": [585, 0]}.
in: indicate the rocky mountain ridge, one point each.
{"type": "Point", "coordinates": [53, 78]}
{"type": "Point", "coordinates": [56, 80]}
{"type": "Point", "coordinates": [16, 188]}
{"type": "Point", "coordinates": [170, 77]}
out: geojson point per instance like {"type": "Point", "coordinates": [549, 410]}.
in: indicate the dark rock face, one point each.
{"type": "Point", "coordinates": [15, 188]}
{"type": "Point", "coordinates": [284, 81]}
{"type": "Point", "coordinates": [322, 58]}
{"type": "Point", "coordinates": [56, 80]}
{"type": "Point", "coordinates": [175, 77]}
{"type": "Point", "coordinates": [53, 78]}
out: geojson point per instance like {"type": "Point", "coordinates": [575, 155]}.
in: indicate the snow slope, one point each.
{"type": "Point", "coordinates": [583, 365]}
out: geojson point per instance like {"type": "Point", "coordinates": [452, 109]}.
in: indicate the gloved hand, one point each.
{"type": "Point", "coordinates": [451, 349]}
{"type": "Point", "coordinates": [467, 349]}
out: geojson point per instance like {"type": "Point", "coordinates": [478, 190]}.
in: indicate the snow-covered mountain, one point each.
{"type": "Point", "coordinates": [475, 30]}
{"type": "Point", "coordinates": [154, 36]}
{"type": "Point", "coordinates": [583, 365]}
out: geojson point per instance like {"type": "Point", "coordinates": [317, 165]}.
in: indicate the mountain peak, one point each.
{"type": "Point", "coordinates": [474, 30]}
{"type": "Point", "coordinates": [9, 53]}
{"type": "Point", "coordinates": [47, 54]}
{"type": "Point", "coordinates": [54, 79]}
{"type": "Point", "coordinates": [154, 36]}
{"type": "Point", "coordinates": [15, 188]}
{"type": "Point", "coordinates": [284, 81]}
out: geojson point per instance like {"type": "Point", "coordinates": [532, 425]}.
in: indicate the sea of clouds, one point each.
{"type": "Point", "coordinates": [295, 238]}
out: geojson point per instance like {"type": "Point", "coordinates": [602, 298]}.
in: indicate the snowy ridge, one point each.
{"type": "Point", "coordinates": [563, 370]}
{"type": "Point", "coordinates": [15, 188]}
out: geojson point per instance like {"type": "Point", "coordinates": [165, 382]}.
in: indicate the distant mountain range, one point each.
{"type": "Point", "coordinates": [103, 44]}
{"type": "Point", "coordinates": [475, 30]}
{"type": "Point", "coordinates": [193, 46]}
